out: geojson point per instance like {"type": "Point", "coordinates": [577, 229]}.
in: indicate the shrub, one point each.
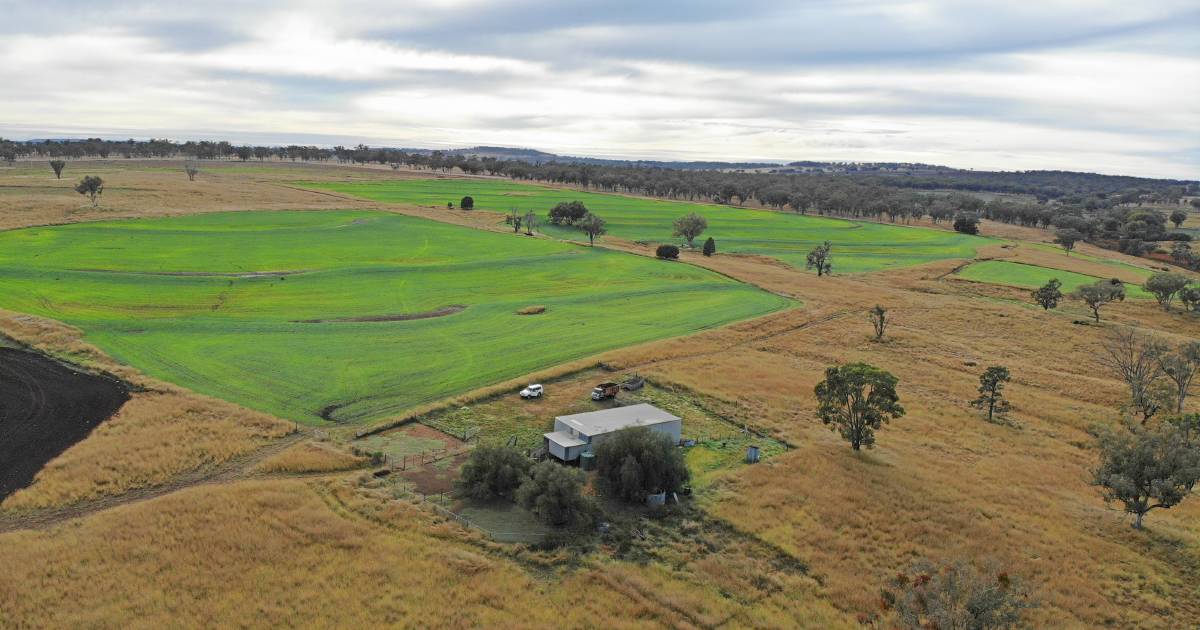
{"type": "Point", "coordinates": [710, 247]}
{"type": "Point", "coordinates": [467, 203]}
{"type": "Point", "coordinates": [493, 471]}
{"type": "Point", "coordinates": [667, 252]}
{"type": "Point", "coordinates": [567, 212]}
{"type": "Point", "coordinates": [634, 463]}
{"type": "Point", "coordinates": [555, 494]}
{"type": "Point", "coordinates": [966, 223]}
{"type": "Point", "coordinates": [956, 595]}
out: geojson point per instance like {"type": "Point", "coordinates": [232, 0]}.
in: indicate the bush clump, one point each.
{"type": "Point", "coordinates": [493, 471]}
{"type": "Point", "coordinates": [667, 252]}
{"type": "Point", "coordinates": [634, 463]}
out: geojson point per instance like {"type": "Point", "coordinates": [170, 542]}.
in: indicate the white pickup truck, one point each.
{"type": "Point", "coordinates": [533, 391]}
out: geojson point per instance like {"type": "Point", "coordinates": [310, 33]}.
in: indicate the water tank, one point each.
{"type": "Point", "coordinates": [587, 461]}
{"type": "Point", "coordinates": [752, 454]}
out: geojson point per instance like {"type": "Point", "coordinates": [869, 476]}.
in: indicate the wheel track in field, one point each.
{"type": "Point", "coordinates": [236, 469]}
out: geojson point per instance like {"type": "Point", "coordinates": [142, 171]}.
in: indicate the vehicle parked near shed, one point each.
{"type": "Point", "coordinates": [605, 391]}
{"type": "Point", "coordinates": [532, 391]}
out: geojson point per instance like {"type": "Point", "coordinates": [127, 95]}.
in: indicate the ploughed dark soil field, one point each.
{"type": "Point", "coordinates": [45, 407]}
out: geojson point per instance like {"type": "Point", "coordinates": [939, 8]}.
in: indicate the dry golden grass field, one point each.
{"type": "Point", "coordinates": [185, 511]}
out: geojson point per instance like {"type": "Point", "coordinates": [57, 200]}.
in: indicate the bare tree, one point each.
{"type": "Point", "coordinates": [1181, 367]}
{"type": "Point", "coordinates": [1135, 356]}
{"type": "Point", "coordinates": [192, 171]}
{"type": "Point", "coordinates": [530, 222]}
{"type": "Point", "coordinates": [514, 219]}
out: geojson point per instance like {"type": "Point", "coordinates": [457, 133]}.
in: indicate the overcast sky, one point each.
{"type": "Point", "coordinates": [1108, 85]}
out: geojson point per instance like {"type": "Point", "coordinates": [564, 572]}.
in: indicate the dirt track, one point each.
{"type": "Point", "coordinates": [45, 407]}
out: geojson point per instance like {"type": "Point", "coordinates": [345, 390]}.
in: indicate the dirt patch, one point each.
{"type": "Point", "coordinates": [45, 408]}
{"type": "Point", "coordinates": [398, 317]}
{"type": "Point", "coordinates": [532, 310]}
{"type": "Point", "coordinates": [437, 477]}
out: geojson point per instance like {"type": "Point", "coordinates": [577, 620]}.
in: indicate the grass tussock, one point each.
{"type": "Point", "coordinates": [310, 457]}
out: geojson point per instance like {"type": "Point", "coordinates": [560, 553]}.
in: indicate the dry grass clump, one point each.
{"type": "Point", "coordinates": [308, 457]}
{"type": "Point", "coordinates": [532, 310]}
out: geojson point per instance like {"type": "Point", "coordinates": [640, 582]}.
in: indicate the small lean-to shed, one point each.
{"type": "Point", "coordinates": [579, 433]}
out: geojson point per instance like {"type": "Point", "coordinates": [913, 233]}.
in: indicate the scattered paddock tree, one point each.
{"type": "Point", "coordinates": [637, 462]}
{"type": "Point", "coordinates": [991, 391]}
{"type": "Point", "coordinates": [966, 223]}
{"type": "Point", "coordinates": [1165, 286]}
{"type": "Point", "coordinates": [493, 471]}
{"type": "Point", "coordinates": [1066, 238]}
{"type": "Point", "coordinates": [1178, 217]}
{"type": "Point", "coordinates": [1146, 469]}
{"type": "Point", "coordinates": [1134, 357]}
{"type": "Point", "coordinates": [710, 247]}
{"type": "Point", "coordinates": [956, 596]}
{"type": "Point", "coordinates": [467, 203]}
{"type": "Point", "coordinates": [667, 252]}
{"type": "Point", "coordinates": [555, 494]}
{"type": "Point", "coordinates": [530, 222]}
{"type": "Point", "coordinates": [689, 226]}
{"type": "Point", "coordinates": [567, 212]}
{"type": "Point", "coordinates": [878, 317]}
{"type": "Point", "coordinates": [593, 226]}
{"type": "Point", "coordinates": [91, 187]}
{"type": "Point", "coordinates": [191, 170]}
{"type": "Point", "coordinates": [1101, 293]}
{"type": "Point", "coordinates": [1180, 367]}
{"type": "Point", "coordinates": [58, 166]}
{"type": "Point", "coordinates": [856, 400]}
{"type": "Point", "coordinates": [1048, 295]}
{"type": "Point", "coordinates": [821, 259]}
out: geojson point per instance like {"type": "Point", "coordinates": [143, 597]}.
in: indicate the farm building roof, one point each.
{"type": "Point", "coordinates": [595, 423]}
{"type": "Point", "coordinates": [564, 439]}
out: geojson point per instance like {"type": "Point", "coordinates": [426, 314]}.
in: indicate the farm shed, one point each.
{"type": "Point", "coordinates": [579, 433]}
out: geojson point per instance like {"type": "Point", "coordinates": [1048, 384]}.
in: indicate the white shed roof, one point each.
{"type": "Point", "coordinates": [564, 439]}
{"type": "Point", "coordinates": [595, 423]}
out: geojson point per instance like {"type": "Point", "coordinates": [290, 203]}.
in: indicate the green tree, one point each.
{"type": "Point", "coordinates": [1048, 295]}
{"type": "Point", "coordinates": [710, 247]}
{"type": "Point", "coordinates": [1146, 469]}
{"type": "Point", "coordinates": [966, 223]}
{"type": "Point", "coordinates": [593, 226]}
{"type": "Point", "coordinates": [956, 596]}
{"type": "Point", "coordinates": [991, 391]}
{"type": "Point", "coordinates": [878, 317]}
{"type": "Point", "coordinates": [636, 462]}
{"type": "Point", "coordinates": [91, 187]}
{"type": "Point", "coordinates": [856, 400]}
{"type": "Point", "coordinates": [1067, 238]}
{"type": "Point", "coordinates": [555, 494]}
{"type": "Point", "coordinates": [1178, 217]}
{"type": "Point", "coordinates": [1101, 293]}
{"type": "Point", "coordinates": [689, 226]}
{"type": "Point", "coordinates": [1165, 286]}
{"type": "Point", "coordinates": [821, 259]}
{"type": "Point", "coordinates": [493, 471]}
{"type": "Point", "coordinates": [567, 212]}
{"type": "Point", "coordinates": [467, 203]}
{"type": "Point", "coordinates": [58, 166]}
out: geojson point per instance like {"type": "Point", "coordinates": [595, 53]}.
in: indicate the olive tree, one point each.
{"type": "Point", "coordinates": [1165, 286]}
{"type": "Point", "coordinates": [634, 463]}
{"type": "Point", "coordinates": [1066, 238]}
{"type": "Point", "coordinates": [689, 226]}
{"type": "Point", "coordinates": [58, 166]}
{"type": "Point", "coordinates": [856, 400]}
{"type": "Point", "coordinates": [555, 494]}
{"type": "Point", "coordinates": [1048, 295]}
{"type": "Point", "coordinates": [821, 259]}
{"type": "Point", "coordinates": [991, 391]}
{"type": "Point", "coordinates": [493, 471]}
{"type": "Point", "coordinates": [1146, 469]}
{"type": "Point", "coordinates": [1101, 293]}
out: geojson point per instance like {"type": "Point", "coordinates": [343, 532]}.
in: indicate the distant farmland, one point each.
{"type": "Point", "coordinates": [349, 315]}
{"type": "Point", "coordinates": [1031, 276]}
{"type": "Point", "coordinates": [858, 246]}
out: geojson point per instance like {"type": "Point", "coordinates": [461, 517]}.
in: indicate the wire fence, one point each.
{"type": "Point", "coordinates": [442, 503]}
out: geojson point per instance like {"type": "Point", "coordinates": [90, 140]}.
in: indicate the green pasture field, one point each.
{"type": "Point", "coordinates": [857, 246]}
{"type": "Point", "coordinates": [256, 307]}
{"type": "Point", "coordinates": [1031, 276]}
